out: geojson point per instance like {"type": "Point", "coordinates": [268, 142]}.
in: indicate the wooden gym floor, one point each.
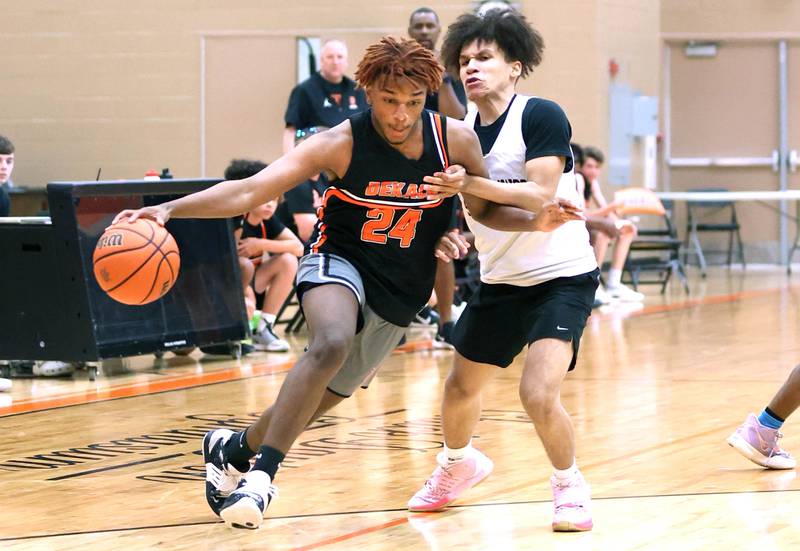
{"type": "Point", "coordinates": [114, 463]}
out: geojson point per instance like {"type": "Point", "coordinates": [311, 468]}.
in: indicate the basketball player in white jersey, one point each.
{"type": "Point", "coordinates": [537, 288]}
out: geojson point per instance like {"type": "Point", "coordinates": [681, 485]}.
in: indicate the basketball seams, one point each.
{"type": "Point", "coordinates": [171, 268]}
{"type": "Point", "coordinates": [149, 272]}
{"type": "Point", "coordinates": [155, 281]}
{"type": "Point", "coordinates": [142, 265]}
{"type": "Point", "coordinates": [143, 236]}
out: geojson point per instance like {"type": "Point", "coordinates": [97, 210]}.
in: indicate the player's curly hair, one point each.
{"type": "Point", "coordinates": [397, 59]}
{"type": "Point", "coordinates": [509, 29]}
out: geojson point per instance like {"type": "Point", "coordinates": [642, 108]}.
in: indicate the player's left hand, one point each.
{"type": "Point", "coordinates": [447, 183]}
{"type": "Point", "coordinates": [452, 245]}
{"type": "Point", "coordinates": [555, 213]}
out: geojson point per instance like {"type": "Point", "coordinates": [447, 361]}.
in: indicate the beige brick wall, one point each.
{"type": "Point", "coordinates": [730, 16]}
{"type": "Point", "coordinates": [112, 84]}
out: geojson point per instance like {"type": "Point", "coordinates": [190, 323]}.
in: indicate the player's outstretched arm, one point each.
{"type": "Point", "coordinates": [465, 149]}
{"type": "Point", "coordinates": [329, 150]}
{"type": "Point", "coordinates": [543, 175]}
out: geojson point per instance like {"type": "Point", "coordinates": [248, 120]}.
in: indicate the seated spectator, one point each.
{"type": "Point", "coordinates": [269, 251]}
{"type": "Point", "coordinates": [6, 168]}
{"type": "Point", "coordinates": [298, 210]}
{"type": "Point", "coordinates": [604, 226]}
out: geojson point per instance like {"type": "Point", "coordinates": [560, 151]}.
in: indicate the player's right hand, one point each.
{"type": "Point", "coordinates": [555, 213]}
{"type": "Point", "coordinates": [447, 183]}
{"type": "Point", "coordinates": [156, 212]}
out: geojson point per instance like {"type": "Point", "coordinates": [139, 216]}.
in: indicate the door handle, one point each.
{"type": "Point", "coordinates": [776, 160]}
{"type": "Point", "coordinates": [794, 160]}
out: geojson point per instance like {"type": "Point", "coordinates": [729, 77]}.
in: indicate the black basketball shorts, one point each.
{"type": "Point", "coordinates": [500, 320]}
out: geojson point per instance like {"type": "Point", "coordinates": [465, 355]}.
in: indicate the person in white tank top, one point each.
{"type": "Point", "coordinates": [537, 287]}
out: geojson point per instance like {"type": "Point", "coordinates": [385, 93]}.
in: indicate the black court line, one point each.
{"type": "Point", "coordinates": [174, 455]}
{"type": "Point", "coordinates": [122, 466]}
{"type": "Point", "coordinates": [384, 414]}
{"type": "Point", "coordinates": [389, 510]}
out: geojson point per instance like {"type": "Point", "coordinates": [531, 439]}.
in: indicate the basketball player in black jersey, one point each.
{"type": "Point", "coordinates": [370, 265]}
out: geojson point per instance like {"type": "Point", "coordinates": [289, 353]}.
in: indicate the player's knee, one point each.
{"type": "Point", "coordinates": [330, 347]}
{"type": "Point", "coordinates": [460, 387]}
{"type": "Point", "coordinates": [540, 402]}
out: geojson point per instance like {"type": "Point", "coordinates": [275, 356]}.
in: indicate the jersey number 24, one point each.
{"type": "Point", "coordinates": [380, 220]}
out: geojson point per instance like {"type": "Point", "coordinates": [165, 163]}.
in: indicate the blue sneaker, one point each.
{"type": "Point", "coordinates": [245, 507]}
{"type": "Point", "coordinates": [221, 477]}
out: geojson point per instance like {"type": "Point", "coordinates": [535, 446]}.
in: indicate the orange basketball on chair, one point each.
{"type": "Point", "coordinates": [136, 263]}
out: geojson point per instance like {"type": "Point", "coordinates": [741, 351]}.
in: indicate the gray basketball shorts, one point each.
{"type": "Point", "coordinates": [375, 337]}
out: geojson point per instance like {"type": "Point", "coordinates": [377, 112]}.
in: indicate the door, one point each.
{"type": "Point", "coordinates": [725, 132]}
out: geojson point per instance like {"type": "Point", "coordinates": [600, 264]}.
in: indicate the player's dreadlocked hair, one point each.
{"type": "Point", "coordinates": [508, 29]}
{"type": "Point", "coordinates": [393, 59]}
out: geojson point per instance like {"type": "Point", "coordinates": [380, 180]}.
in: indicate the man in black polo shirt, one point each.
{"type": "Point", "coordinates": [325, 98]}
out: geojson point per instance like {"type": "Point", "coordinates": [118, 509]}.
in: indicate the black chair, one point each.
{"type": "Point", "coordinates": [712, 216]}
{"type": "Point", "coordinates": [294, 318]}
{"type": "Point", "coordinates": [656, 248]}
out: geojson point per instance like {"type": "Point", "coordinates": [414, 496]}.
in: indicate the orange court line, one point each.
{"type": "Point", "coordinates": [351, 535]}
{"type": "Point", "coordinates": [143, 388]}
{"type": "Point", "coordinates": [178, 382]}
{"type": "Point", "coordinates": [414, 346]}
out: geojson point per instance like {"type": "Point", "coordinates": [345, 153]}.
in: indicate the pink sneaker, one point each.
{"type": "Point", "coordinates": [572, 503]}
{"type": "Point", "coordinates": [448, 482]}
{"type": "Point", "coordinates": [759, 444]}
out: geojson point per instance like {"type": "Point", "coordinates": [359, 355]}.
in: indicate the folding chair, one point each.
{"type": "Point", "coordinates": [656, 248]}
{"type": "Point", "coordinates": [712, 216]}
{"type": "Point", "coordinates": [294, 319]}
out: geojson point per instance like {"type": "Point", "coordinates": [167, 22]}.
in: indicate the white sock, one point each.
{"type": "Point", "coordinates": [614, 278]}
{"type": "Point", "coordinates": [454, 455]}
{"type": "Point", "coordinates": [266, 319]}
{"type": "Point", "coordinates": [566, 474]}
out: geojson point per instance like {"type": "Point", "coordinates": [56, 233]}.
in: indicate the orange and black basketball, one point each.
{"type": "Point", "coordinates": [136, 263]}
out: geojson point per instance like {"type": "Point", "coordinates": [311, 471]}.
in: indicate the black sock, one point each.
{"type": "Point", "coordinates": [238, 452]}
{"type": "Point", "coordinates": [775, 415]}
{"type": "Point", "coordinates": [268, 460]}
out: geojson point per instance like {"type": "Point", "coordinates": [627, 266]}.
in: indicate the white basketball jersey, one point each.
{"type": "Point", "coordinates": [527, 258]}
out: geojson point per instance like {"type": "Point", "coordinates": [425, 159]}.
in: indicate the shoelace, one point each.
{"type": "Point", "coordinates": [776, 449]}
{"type": "Point", "coordinates": [571, 497]}
{"type": "Point", "coordinates": [447, 481]}
{"type": "Point", "coordinates": [771, 446]}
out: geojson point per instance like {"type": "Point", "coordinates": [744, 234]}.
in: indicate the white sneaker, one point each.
{"type": "Point", "coordinates": [601, 297]}
{"type": "Point", "coordinates": [245, 507]}
{"type": "Point", "coordinates": [266, 339]}
{"type": "Point", "coordinates": [53, 369]}
{"type": "Point", "coordinates": [625, 294]}
{"type": "Point", "coordinates": [5, 384]}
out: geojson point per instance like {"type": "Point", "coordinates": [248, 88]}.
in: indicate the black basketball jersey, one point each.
{"type": "Point", "coordinates": [377, 216]}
